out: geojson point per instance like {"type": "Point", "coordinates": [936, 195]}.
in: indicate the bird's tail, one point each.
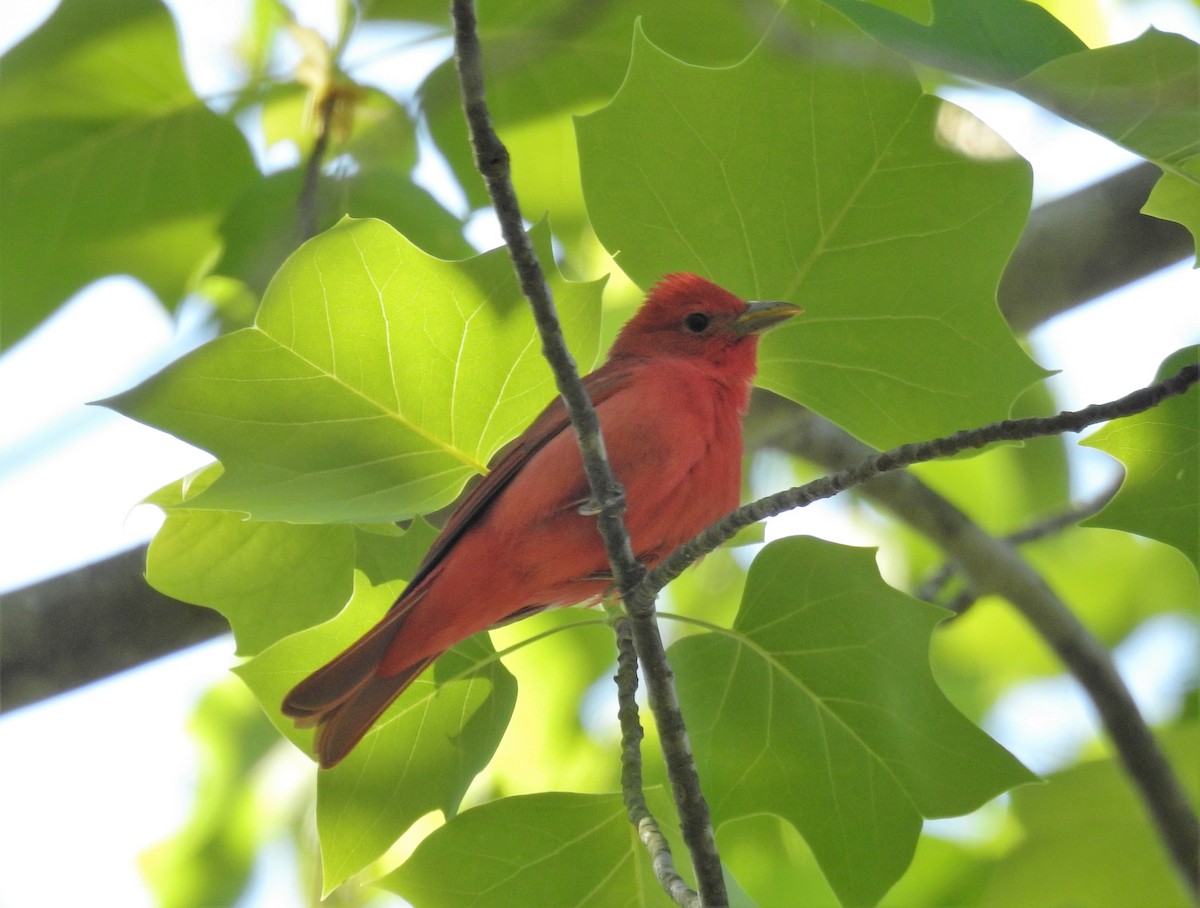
{"type": "Point", "coordinates": [344, 697]}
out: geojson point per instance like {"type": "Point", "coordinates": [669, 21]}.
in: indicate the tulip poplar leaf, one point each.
{"type": "Point", "coordinates": [818, 705]}
{"type": "Point", "coordinates": [1160, 448]}
{"type": "Point", "coordinates": [560, 848]}
{"type": "Point", "coordinates": [268, 578]}
{"type": "Point", "coordinates": [832, 187]}
{"type": "Point", "coordinates": [375, 381]}
{"type": "Point", "coordinates": [1143, 94]}
{"type": "Point", "coordinates": [1087, 840]}
{"type": "Point", "coordinates": [420, 756]}
{"type": "Point", "coordinates": [111, 164]}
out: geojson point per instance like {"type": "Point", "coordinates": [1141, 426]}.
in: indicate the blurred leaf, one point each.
{"type": "Point", "coordinates": [563, 734]}
{"type": "Point", "coordinates": [991, 40]}
{"type": "Point", "coordinates": [263, 229]}
{"type": "Point", "coordinates": [1089, 841]}
{"type": "Point", "coordinates": [1176, 199]}
{"type": "Point", "coordinates": [420, 756]}
{"type": "Point", "coordinates": [547, 61]}
{"type": "Point", "coordinates": [209, 861]}
{"type": "Point", "coordinates": [824, 185]}
{"type": "Point", "coordinates": [1143, 94]}
{"type": "Point", "coordinates": [1113, 581]}
{"type": "Point", "coordinates": [380, 132]}
{"type": "Point", "coordinates": [555, 848]}
{"type": "Point", "coordinates": [269, 579]}
{"type": "Point", "coordinates": [1160, 449]}
{"type": "Point", "coordinates": [111, 164]}
{"type": "Point", "coordinates": [375, 381]}
{"type": "Point", "coordinates": [819, 706]}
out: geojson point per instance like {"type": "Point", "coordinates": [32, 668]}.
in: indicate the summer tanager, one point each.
{"type": "Point", "coordinates": [670, 399]}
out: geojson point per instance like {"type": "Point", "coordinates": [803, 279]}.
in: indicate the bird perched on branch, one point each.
{"type": "Point", "coordinates": [670, 399]}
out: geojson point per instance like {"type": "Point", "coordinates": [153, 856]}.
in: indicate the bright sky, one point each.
{"type": "Point", "coordinates": [91, 779]}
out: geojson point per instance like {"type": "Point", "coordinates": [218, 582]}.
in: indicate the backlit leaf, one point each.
{"type": "Point", "coordinates": [559, 849]}
{"type": "Point", "coordinates": [376, 380]}
{"type": "Point", "coordinates": [420, 756]}
{"type": "Point", "coordinates": [111, 164]}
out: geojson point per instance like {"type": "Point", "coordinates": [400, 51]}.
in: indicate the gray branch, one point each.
{"type": "Point", "coordinates": [993, 566]}
{"type": "Point", "coordinates": [88, 624]}
{"type": "Point", "coordinates": [607, 502]}
{"type": "Point", "coordinates": [1086, 244]}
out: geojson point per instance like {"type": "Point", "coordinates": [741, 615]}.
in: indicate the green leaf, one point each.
{"type": "Point", "coordinates": [818, 705]}
{"type": "Point", "coordinates": [554, 848]}
{"type": "Point", "coordinates": [1160, 496]}
{"type": "Point", "coordinates": [1113, 581]}
{"type": "Point", "coordinates": [992, 40]}
{"type": "Point", "coordinates": [268, 578]}
{"type": "Point", "coordinates": [796, 179]}
{"type": "Point", "coordinates": [210, 860]}
{"type": "Point", "coordinates": [1143, 94]}
{"type": "Point", "coordinates": [420, 756]}
{"type": "Point", "coordinates": [261, 230]}
{"type": "Point", "coordinates": [556, 63]}
{"type": "Point", "coordinates": [375, 381]}
{"type": "Point", "coordinates": [1176, 199]}
{"type": "Point", "coordinates": [111, 163]}
{"type": "Point", "coordinates": [1088, 840]}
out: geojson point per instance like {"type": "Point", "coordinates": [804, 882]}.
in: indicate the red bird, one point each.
{"type": "Point", "coordinates": [670, 400]}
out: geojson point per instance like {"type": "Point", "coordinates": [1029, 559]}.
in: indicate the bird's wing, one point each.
{"type": "Point", "coordinates": [600, 385]}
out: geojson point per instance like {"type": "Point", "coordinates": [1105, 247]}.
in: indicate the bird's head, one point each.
{"type": "Point", "coordinates": [687, 316]}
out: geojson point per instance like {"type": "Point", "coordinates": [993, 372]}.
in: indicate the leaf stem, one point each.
{"type": "Point", "coordinates": [492, 162]}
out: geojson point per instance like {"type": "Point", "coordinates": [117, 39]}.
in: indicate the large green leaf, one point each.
{"type": "Point", "coordinates": [261, 230]}
{"type": "Point", "coordinates": [548, 60]}
{"type": "Point", "coordinates": [1160, 496]}
{"type": "Point", "coordinates": [269, 578]}
{"type": "Point", "coordinates": [375, 381]}
{"type": "Point", "coordinates": [993, 40]}
{"type": "Point", "coordinates": [1143, 94]}
{"type": "Point", "coordinates": [1088, 840]}
{"type": "Point", "coordinates": [552, 849]}
{"type": "Point", "coordinates": [110, 163]}
{"type": "Point", "coordinates": [819, 706]}
{"type": "Point", "coordinates": [795, 178]}
{"type": "Point", "coordinates": [420, 756]}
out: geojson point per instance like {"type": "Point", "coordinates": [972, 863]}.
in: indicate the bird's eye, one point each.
{"type": "Point", "coordinates": [696, 322]}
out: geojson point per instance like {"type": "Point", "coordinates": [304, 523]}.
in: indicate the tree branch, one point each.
{"type": "Point", "coordinates": [1056, 523]}
{"type": "Point", "coordinates": [492, 161]}
{"type": "Point", "coordinates": [1086, 244]}
{"type": "Point", "coordinates": [1050, 272]}
{"type": "Point", "coordinates": [907, 455]}
{"type": "Point", "coordinates": [994, 566]}
{"type": "Point", "coordinates": [91, 623]}
{"type": "Point", "coordinates": [631, 771]}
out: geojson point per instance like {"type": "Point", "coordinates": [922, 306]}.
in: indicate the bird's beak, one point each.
{"type": "Point", "coordinates": [763, 316]}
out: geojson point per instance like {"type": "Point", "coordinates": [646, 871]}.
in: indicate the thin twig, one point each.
{"type": "Point", "coordinates": [607, 502]}
{"type": "Point", "coordinates": [631, 771]}
{"type": "Point", "coordinates": [307, 205]}
{"type": "Point", "coordinates": [929, 590]}
{"type": "Point", "coordinates": [907, 455]}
